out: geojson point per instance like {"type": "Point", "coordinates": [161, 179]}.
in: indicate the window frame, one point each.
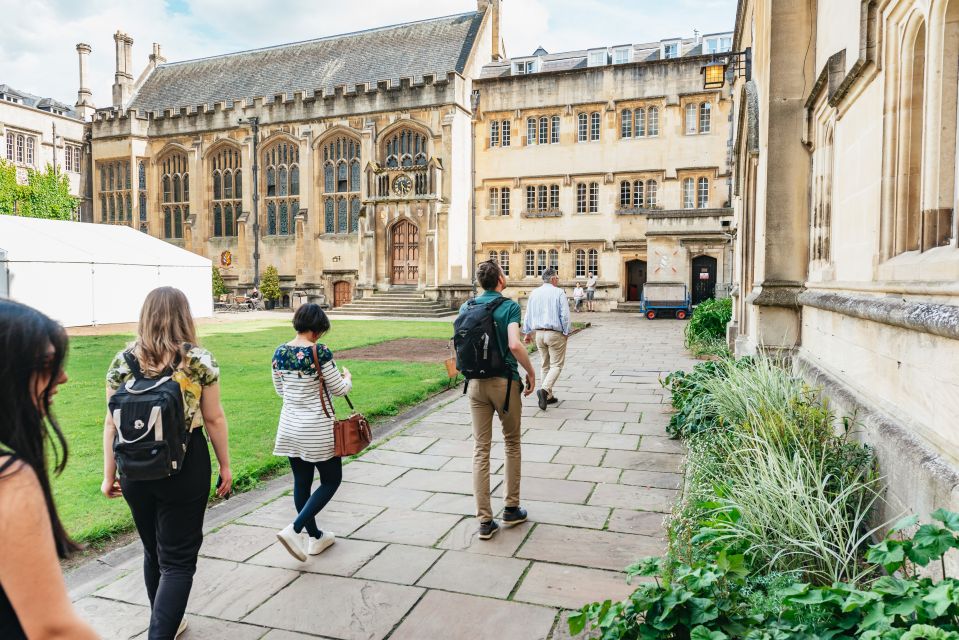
{"type": "Point", "coordinates": [688, 192]}
{"type": "Point", "coordinates": [494, 133]}
{"type": "Point", "coordinates": [582, 127]}
{"type": "Point", "coordinates": [531, 130]}
{"type": "Point", "coordinates": [594, 197]}
{"type": "Point", "coordinates": [595, 126]}
{"type": "Point", "coordinates": [505, 133]}
{"type": "Point", "coordinates": [702, 192]}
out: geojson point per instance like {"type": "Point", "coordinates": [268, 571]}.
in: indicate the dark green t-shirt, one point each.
{"type": "Point", "coordinates": [508, 312]}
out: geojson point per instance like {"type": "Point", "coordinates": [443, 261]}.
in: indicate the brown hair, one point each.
{"type": "Point", "coordinates": [487, 274]}
{"type": "Point", "coordinates": [166, 325]}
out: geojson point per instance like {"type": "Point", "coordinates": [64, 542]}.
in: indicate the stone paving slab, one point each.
{"type": "Point", "coordinates": [585, 548]}
{"type": "Point", "coordinates": [342, 559]}
{"type": "Point", "coordinates": [111, 619]}
{"type": "Point", "coordinates": [381, 496]}
{"type": "Point", "coordinates": [340, 517]}
{"type": "Point", "coordinates": [436, 481]}
{"type": "Point", "coordinates": [408, 527]}
{"type": "Point", "coordinates": [646, 523]}
{"type": "Point", "coordinates": [237, 542]}
{"type": "Point", "coordinates": [201, 628]}
{"type": "Point", "coordinates": [554, 490]}
{"type": "Point", "coordinates": [642, 461]}
{"type": "Point", "coordinates": [652, 479]}
{"type": "Point", "coordinates": [579, 455]}
{"type": "Point", "coordinates": [441, 616]}
{"type": "Point", "coordinates": [628, 497]}
{"type": "Point", "coordinates": [592, 426]}
{"type": "Point", "coordinates": [546, 470]}
{"type": "Point", "coordinates": [411, 460]}
{"type": "Point", "coordinates": [450, 503]}
{"type": "Point", "coordinates": [562, 438]}
{"type": "Point", "coordinates": [595, 474]}
{"type": "Point", "coordinates": [474, 574]}
{"type": "Point", "coordinates": [409, 444]}
{"type": "Point", "coordinates": [572, 515]}
{"type": "Point", "coordinates": [613, 441]}
{"type": "Point", "coordinates": [369, 473]}
{"type": "Point", "coordinates": [464, 537]}
{"type": "Point", "coordinates": [344, 608]}
{"type": "Point", "coordinates": [400, 563]}
{"type": "Point", "coordinates": [571, 587]}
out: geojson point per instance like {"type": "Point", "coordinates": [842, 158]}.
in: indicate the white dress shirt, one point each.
{"type": "Point", "coordinates": [547, 308]}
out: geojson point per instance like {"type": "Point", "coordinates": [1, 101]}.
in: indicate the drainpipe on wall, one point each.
{"type": "Point", "coordinates": [474, 105]}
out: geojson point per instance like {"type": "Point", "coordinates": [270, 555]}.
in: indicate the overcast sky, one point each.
{"type": "Point", "coordinates": [37, 47]}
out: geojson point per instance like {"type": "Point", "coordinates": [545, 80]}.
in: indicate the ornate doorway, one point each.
{"type": "Point", "coordinates": [635, 279]}
{"type": "Point", "coordinates": [342, 293]}
{"type": "Point", "coordinates": [704, 278]}
{"type": "Point", "coordinates": [405, 253]}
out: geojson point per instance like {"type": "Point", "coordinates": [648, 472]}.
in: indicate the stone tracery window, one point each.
{"type": "Point", "coordinates": [281, 174]}
{"type": "Point", "coordinates": [341, 182]}
{"type": "Point", "coordinates": [116, 205]}
{"type": "Point", "coordinates": [175, 188]}
{"type": "Point", "coordinates": [406, 148]}
{"type": "Point", "coordinates": [142, 190]}
{"type": "Point", "coordinates": [226, 175]}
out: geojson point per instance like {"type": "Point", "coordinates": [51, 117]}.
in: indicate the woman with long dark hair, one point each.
{"type": "Point", "coordinates": [168, 512]}
{"type": "Point", "coordinates": [33, 596]}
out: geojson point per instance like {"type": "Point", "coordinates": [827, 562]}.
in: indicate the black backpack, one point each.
{"type": "Point", "coordinates": [479, 355]}
{"type": "Point", "coordinates": [152, 433]}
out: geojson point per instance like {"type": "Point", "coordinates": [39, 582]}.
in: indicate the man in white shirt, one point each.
{"type": "Point", "coordinates": [590, 291]}
{"type": "Point", "coordinates": [547, 321]}
{"type": "Point", "coordinates": [579, 294]}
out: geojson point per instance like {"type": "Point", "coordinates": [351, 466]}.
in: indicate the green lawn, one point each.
{"type": "Point", "coordinates": [243, 350]}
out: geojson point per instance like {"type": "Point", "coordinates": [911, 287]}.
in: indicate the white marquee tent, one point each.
{"type": "Point", "coordinates": [84, 274]}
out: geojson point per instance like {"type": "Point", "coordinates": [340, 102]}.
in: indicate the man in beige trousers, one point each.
{"type": "Point", "coordinates": [547, 321]}
{"type": "Point", "coordinates": [488, 397]}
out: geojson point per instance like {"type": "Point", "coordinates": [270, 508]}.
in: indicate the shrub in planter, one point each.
{"type": "Point", "coordinates": [219, 287]}
{"type": "Point", "coordinates": [706, 330]}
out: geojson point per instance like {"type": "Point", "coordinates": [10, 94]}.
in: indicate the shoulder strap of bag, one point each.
{"type": "Point", "coordinates": [324, 392]}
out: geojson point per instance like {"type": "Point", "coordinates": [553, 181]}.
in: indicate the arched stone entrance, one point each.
{"type": "Point", "coordinates": [404, 253]}
{"type": "Point", "coordinates": [703, 278]}
{"type": "Point", "coordinates": [635, 279]}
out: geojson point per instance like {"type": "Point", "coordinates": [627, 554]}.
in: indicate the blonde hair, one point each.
{"type": "Point", "coordinates": [166, 325]}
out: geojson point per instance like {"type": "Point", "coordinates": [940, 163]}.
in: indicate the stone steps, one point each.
{"type": "Point", "coordinates": [397, 303]}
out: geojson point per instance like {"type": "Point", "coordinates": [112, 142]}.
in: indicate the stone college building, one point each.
{"type": "Point", "coordinates": [371, 173]}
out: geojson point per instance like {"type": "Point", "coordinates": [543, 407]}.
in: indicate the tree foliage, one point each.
{"type": "Point", "coordinates": [270, 284]}
{"type": "Point", "coordinates": [46, 194]}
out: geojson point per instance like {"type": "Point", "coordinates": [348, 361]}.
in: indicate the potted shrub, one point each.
{"type": "Point", "coordinates": [270, 287]}
{"type": "Point", "coordinates": [219, 287]}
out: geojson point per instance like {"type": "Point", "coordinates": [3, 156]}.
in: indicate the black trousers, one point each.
{"type": "Point", "coordinates": [307, 505]}
{"type": "Point", "coordinates": [168, 514]}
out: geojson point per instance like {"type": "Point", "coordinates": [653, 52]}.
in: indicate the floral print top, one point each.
{"type": "Point", "coordinates": [300, 359]}
{"type": "Point", "coordinates": [199, 369]}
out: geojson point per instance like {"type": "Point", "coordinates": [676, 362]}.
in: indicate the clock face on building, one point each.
{"type": "Point", "coordinates": [402, 185]}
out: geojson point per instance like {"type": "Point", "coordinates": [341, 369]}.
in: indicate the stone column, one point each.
{"type": "Point", "coordinates": [781, 244]}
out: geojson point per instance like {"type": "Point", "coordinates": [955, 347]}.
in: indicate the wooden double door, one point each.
{"type": "Point", "coordinates": [404, 253]}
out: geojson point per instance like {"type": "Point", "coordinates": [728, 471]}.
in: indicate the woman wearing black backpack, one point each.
{"type": "Point", "coordinates": [168, 512]}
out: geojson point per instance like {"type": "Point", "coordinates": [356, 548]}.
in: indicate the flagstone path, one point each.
{"type": "Point", "coordinates": [598, 477]}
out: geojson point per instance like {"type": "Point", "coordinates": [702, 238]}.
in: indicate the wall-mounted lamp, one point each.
{"type": "Point", "coordinates": [738, 62]}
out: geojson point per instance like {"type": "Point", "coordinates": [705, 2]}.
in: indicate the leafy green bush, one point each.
{"type": "Point", "coordinates": [706, 330]}
{"type": "Point", "coordinates": [718, 599]}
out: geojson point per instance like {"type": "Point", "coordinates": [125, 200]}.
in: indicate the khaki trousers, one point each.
{"type": "Point", "coordinates": [486, 398]}
{"type": "Point", "coordinates": [552, 344]}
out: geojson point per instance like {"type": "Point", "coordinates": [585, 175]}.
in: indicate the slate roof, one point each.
{"type": "Point", "coordinates": [37, 102]}
{"type": "Point", "coordinates": [569, 60]}
{"type": "Point", "coordinates": [437, 46]}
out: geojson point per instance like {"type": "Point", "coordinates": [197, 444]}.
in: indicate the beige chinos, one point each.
{"type": "Point", "coordinates": [552, 344]}
{"type": "Point", "coordinates": [487, 398]}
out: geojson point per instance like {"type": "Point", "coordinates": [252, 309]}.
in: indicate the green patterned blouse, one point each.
{"type": "Point", "coordinates": [199, 369]}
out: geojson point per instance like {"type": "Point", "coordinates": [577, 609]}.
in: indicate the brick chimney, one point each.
{"type": "Point", "coordinates": [123, 78]}
{"type": "Point", "coordinates": [84, 105]}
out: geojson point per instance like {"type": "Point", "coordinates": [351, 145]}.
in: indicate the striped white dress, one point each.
{"type": "Point", "coordinates": [305, 431]}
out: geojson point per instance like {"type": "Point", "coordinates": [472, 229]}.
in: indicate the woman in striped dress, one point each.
{"type": "Point", "coordinates": [305, 432]}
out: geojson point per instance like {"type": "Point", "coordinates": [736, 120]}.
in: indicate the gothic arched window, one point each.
{"type": "Point", "coordinates": [281, 161]}
{"type": "Point", "coordinates": [227, 190]}
{"type": "Point", "coordinates": [406, 148]}
{"type": "Point", "coordinates": [341, 171]}
{"type": "Point", "coordinates": [116, 205]}
{"type": "Point", "coordinates": [175, 178]}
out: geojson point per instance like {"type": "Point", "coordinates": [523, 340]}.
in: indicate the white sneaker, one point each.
{"type": "Point", "coordinates": [319, 545]}
{"type": "Point", "coordinates": [290, 539]}
{"type": "Point", "coordinates": [181, 628]}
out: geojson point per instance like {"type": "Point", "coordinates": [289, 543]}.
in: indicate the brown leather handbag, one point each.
{"type": "Point", "coordinates": [350, 436]}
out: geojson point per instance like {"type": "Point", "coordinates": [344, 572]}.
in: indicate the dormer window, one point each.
{"type": "Point", "coordinates": [525, 67]}
{"type": "Point", "coordinates": [670, 50]}
{"type": "Point", "coordinates": [622, 55]}
{"type": "Point", "coordinates": [718, 44]}
{"type": "Point", "coordinates": [597, 58]}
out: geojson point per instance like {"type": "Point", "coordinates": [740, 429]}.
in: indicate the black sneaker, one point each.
{"type": "Point", "coordinates": [552, 400]}
{"type": "Point", "coordinates": [487, 529]}
{"type": "Point", "coordinates": [513, 516]}
{"type": "Point", "coordinates": [541, 396]}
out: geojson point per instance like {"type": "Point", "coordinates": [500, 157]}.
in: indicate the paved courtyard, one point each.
{"type": "Point", "coordinates": [598, 477]}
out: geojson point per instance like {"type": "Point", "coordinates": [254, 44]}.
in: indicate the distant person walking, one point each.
{"type": "Point", "coordinates": [168, 512]}
{"type": "Point", "coordinates": [304, 375]}
{"type": "Point", "coordinates": [547, 321]}
{"type": "Point", "coordinates": [489, 345]}
{"type": "Point", "coordinates": [33, 596]}
{"type": "Point", "coordinates": [590, 290]}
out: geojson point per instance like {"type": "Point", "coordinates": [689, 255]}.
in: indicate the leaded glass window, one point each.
{"type": "Point", "coordinates": [530, 130]}
{"type": "Point", "coordinates": [116, 204]}
{"type": "Point", "coordinates": [592, 258]}
{"type": "Point", "coordinates": [506, 133]}
{"type": "Point", "coordinates": [554, 130]}
{"type": "Point", "coordinates": [225, 172]}
{"type": "Point", "coordinates": [702, 193]}
{"type": "Point", "coordinates": [626, 124]}
{"type": "Point", "coordinates": [504, 262]}
{"type": "Point", "coordinates": [282, 186]}
{"type": "Point", "coordinates": [354, 214]}
{"type": "Point", "coordinates": [341, 176]}
{"type": "Point", "coordinates": [530, 263]}
{"type": "Point", "coordinates": [594, 121]}
{"type": "Point", "coordinates": [652, 122]}
{"type": "Point", "coordinates": [342, 221]}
